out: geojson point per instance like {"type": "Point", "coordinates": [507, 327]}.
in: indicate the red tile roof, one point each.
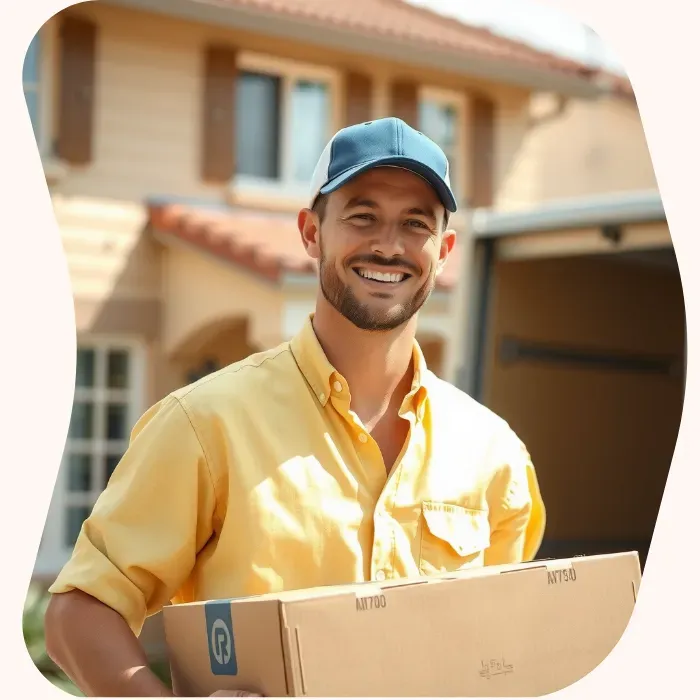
{"type": "Point", "coordinates": [267, 244]}
{"type": "Point", "coordinates": [417, 26]}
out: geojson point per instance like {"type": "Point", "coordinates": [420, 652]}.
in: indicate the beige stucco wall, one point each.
{"type": "Point", "coordinates": [203, 293]}
{"type": "Point", "coordinates": [592, 147]}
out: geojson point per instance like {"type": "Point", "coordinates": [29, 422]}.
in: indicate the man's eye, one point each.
{"type": "Point", "coordinates": [413, 223]}
{"type": "Point", "coordinates": [364, 217]}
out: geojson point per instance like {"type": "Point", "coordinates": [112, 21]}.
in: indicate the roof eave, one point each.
{"type": "Point", "coordinates": [584, 212]}
{"type": "Point", "coordinates": [255, 20]}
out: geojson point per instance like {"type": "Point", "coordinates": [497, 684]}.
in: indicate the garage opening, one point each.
{"type": "Point", "coordinates": [584, 356]}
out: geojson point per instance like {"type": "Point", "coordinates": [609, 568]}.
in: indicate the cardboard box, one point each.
{"type": "Point", "coordinates": [523, 630]}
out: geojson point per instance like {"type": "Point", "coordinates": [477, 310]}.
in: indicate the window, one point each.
{"type": "Point", "coordinates": [284, 117]}
{"type": "Point", "coordinates": [106, 406]}
{"type": "Point", "coordinates": [440, 118]}
{"type": "Point", "coordinates": [31, 80]}
{"type": "Point", "coordinates": [38, 82]}
{"type": "Point", "coordinates": [258, 125]}
{"type": "Point", "coordinates": [101, 421]}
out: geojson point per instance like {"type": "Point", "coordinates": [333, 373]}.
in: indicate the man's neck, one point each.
{"type": "Point", "coordinates": [376, 364]}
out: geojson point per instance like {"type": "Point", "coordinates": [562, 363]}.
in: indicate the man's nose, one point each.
{"type": "Point", "coordinates": [388, 242]}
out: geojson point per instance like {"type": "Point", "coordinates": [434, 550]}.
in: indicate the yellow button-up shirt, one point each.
{"type": "Point", "coordinates": [260, 478]}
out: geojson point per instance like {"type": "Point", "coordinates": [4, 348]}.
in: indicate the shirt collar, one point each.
{"type": "Point", "coordinates": [321, 375]}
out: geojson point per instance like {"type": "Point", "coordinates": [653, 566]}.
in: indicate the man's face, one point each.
{"type": "Point", "coordinates": [380, 247]}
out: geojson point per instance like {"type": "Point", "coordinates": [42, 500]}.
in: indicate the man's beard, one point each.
{"type": "Point", "coordinates": [343, 299]}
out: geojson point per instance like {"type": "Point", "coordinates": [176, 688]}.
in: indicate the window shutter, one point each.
{"type": "Point", "coordinates": [219, 114]}
{"type": "Point", "coordinates": [78, 45]}
{"type": "Point", "coordinates": [404, 102]}
{"type": "Point", "coordinates": [483, 150]}
{"type": "Point", "coordinates": [358, 98]}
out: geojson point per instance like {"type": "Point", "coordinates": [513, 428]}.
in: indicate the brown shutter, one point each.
{"type": "Point", "coordinates": [218, 119]}
{"type": "Point", "coordinates": [78, 45]}
{"type": "Point", "coordinates": [404, 102]}
{"type": "Point", "coordinates": [358, 98]}
{"type": "Point", "coordinates": [483, 151]}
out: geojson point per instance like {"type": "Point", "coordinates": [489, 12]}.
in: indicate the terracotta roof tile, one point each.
{"type": "Point", "coordinates": [264, 243]}
{"type": "Point", "coordinates": [416, 25]}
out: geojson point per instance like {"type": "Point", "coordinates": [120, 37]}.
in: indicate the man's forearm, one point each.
{"type": "Point", "coordinates": [97, 650]}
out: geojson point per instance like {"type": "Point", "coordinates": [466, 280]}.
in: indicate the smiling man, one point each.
{"type": "Point", "coordinates": [336, 457]}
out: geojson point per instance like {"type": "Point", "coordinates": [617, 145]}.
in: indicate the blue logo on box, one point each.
{"type": "Point", "coordinates": [221, 643]}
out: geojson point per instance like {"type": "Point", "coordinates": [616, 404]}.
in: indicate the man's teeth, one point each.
{"type": "Point", "coordinates": [381, 276]}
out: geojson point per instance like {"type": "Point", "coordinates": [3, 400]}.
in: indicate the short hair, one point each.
{"type": "Point", "coordinates": [319, 206]}
{"type": "Point", "coordinates": [321, 203]}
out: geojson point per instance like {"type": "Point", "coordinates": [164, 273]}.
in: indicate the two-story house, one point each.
{"type": "Point", "coordinates": [178, 137]}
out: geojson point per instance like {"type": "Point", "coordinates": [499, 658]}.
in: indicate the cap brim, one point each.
{"type": "Point", "coordinates": [423, 171]}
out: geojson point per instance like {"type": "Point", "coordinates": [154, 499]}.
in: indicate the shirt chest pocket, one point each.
{"type": "Point", "coordinates": [452, 537]}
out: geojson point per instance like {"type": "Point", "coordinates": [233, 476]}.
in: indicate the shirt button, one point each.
{"type": "Point", "coordinates": [380, 576]}
{"type": "Point", "coordinates": [338, 387]}
{"type": "Point", "coordinates": [362, 438]}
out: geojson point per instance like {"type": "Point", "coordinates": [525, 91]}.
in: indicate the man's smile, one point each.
{"type": "Point", "coordinates": [382, 277]}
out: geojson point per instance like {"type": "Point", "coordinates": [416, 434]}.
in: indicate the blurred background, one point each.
{"type": "Point", "coordinates": [178, 138]}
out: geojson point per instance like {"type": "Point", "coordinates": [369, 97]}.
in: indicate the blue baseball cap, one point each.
{"type": "Point", "coordinates": [382, 142]}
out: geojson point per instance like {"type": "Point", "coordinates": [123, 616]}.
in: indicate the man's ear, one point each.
{"type": "Point", "coordinates": [310, 230]}
{"type": "Point", "coordinates": [447, 244]}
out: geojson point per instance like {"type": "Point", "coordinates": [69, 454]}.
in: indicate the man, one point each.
{"type": "Point", "coordinates": [337, 457]}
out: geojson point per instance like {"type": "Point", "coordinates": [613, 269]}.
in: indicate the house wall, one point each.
{"type": "Point", "coordinates": [114, 270]}
{"type": "Point", "coordinates": [602, 441]}
{"type": "Point", "coordinates": [205, 296]}
{"type": "Point", "coordinates": [593, 147]}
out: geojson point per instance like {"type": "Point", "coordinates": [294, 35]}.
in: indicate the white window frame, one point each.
{"type": "Point", "coordinates": [458, 162]}
{"type": "Point", "coordinates": [288, 71]}
{"type": "Point", "coordinates": [54, 552]}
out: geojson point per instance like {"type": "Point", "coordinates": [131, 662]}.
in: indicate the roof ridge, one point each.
{"type": "Point", "coordinates": [455, 23]}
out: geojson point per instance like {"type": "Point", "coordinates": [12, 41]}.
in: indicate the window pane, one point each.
{"type": "Point", "coordinates": [75, 516]}
{"type": "Point", "coordinates": [82, 421]}
{"type": "Point", "coordinates": [111, 462]}
{"type": "Point", "coordinates": [439, 122]}
{"type": "Point", "coordinates": [30, 69]}
{"type": "Point", "coordinates": [117, 428]}
{"type": "Point", "coordinates": [85, 368]}
{"type": "Point", "coordinates": [32, 98]}
{"type": "Point", "coordinates": [79, 473]}
{"type": "Point", "coordinates": [257, 125]}
{"type": "Point", "coordinates": [118, 369]}
{"type": "Point", "coordinates": [310, 114]}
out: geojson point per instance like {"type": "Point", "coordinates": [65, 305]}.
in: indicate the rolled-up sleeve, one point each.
{"type": "Point", "coordinates": [518, 515]}
{"type": "Point", "coordinates": [140, 543]}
